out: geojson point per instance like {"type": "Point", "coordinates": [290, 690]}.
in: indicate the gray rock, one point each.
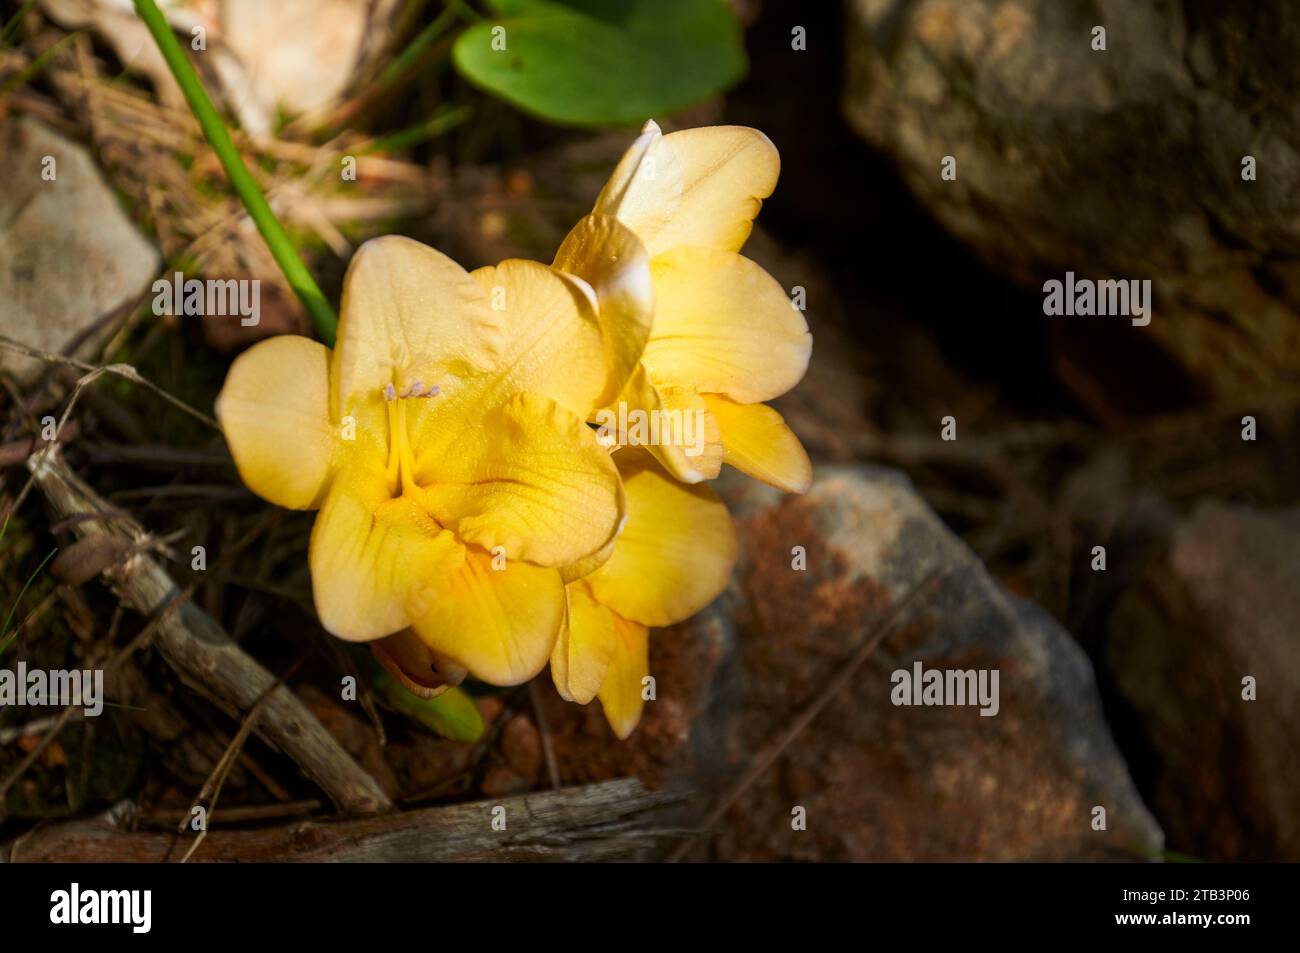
{"type": "Point", "coordinates": [877, 781]}
{"type": "Point", "coordinates": [1221, 603]}
{"type": "Point", "coordinates": [69, 255]}
{"type": "Point", "coordinates": [881, 781]}
{"type": "Point", "coordinates": [1125, 163]}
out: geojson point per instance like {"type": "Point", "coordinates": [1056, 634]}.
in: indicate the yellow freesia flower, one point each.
{"type": "Point", "coordinates": [673, 557]}
{"type": "Point", "coordinates": [693, 325]}
{"type": "Point", "coordinates": [443, 441]}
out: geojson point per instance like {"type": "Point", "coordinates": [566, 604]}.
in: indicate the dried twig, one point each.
{"type": "Point", "coordinates": [16, 452]}
{"type": "Point", "coordinates": [205, 657]}
{"type": "Point", "coordinates": [544, 732]}
{"type": "Point", "coordinates": [93, 371]}
{"type": "Point", "coordinates": [211, 789]}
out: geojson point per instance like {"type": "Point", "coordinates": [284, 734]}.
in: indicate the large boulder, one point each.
{"type": "Point", "coordinates": [876, 780]}
{"type": "Point", "coordinates": [1206, 651]}
{"type": "Point", "coordinates": [1125, 162]}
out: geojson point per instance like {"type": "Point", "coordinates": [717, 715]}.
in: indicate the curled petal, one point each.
{"type": "Point", "coordinates": [697, 187]}
{"type": "Point", "coordinates": [274, 411]}
{"type": "Point", "coordinates": [645, 187]}
{"type": "Point", "coordinates": [673, 423]}
{"type": "Point", "coordinates": [421, 671]}
{"type": "Point", "coordinates": [612, 261]}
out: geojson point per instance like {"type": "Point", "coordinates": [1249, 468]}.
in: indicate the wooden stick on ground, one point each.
{"type": "Point", "coordinates": [611, 820]}
{"type": "Point", "coordinates": [201, 652]}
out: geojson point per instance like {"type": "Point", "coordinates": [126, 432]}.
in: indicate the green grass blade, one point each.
{"type": "Point", "coordinates": [4, 641]}
{"type": "Point", "coordinates": [440, 122]}
{"type": "Point", "coordinates": [286, 256]}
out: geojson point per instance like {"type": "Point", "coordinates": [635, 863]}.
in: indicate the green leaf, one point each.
{"type": "Point", "coordinates": [592, 62]}
{"type": "Point", "coordinates": [452, 714]}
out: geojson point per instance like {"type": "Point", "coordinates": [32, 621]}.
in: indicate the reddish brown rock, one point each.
{"type": "Point", "coordinates": [876, 781]}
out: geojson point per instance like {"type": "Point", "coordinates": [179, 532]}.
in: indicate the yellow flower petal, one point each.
{"type": "Point", "coordinates": [620, 694]}
{"type": "Point", "coordinates": [553, 343]}
{"type": "Point", "coordinates": [421, 671]}
{"type": "Point", "coordinates": [530, 478]}
{"type": "Point", "coordinates": [274, 411]}
{"type": "Point", "coordinates": [585, 567]}
{"type": "Point", "coordinates": [500, 624]}
{"type": "Point", "coordinates": [409, 314]}
{"type": "Point", "coordinates": [758, 442]}
{"type": "Point", "coordinates": [608, 257]}
{"type": "Point", "coordinates": [697, 187]}
{"type": "Point", "coordinates": [675, 553]}
{"type": "Point", "coordinates": [370, 555]}
{"type": "Point", "coordinates": [723, 325]}
{"type": "Point", "coordinates": [584, 648]}
{"type": "Point", "coordinates": [673, 423]}
{"type": "Point", "coordinates": [645, 188]}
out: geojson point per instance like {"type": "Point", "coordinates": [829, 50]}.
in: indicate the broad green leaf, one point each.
{"type": "Point", "coordinates": [592, 62]}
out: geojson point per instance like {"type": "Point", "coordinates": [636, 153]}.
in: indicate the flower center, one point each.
{"type": "Point", "coordinates": [401, 458]}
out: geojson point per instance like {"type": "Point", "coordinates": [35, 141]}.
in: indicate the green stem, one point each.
{"type": "Point", "coordinates": [416, 48]}
{"type": "Point", "coordinates": [33, 68]}
{"type": "Point", "coordinates": [286, 256]}
{"type": "Point", "coordinates": [440, 122]}
{"type": "Point", "coordinates": [15, 22]}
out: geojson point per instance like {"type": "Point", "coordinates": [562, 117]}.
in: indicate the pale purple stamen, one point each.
{"type": "Point", "coordinates": [414, 389]}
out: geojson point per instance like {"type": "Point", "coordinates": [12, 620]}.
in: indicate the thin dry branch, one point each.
{"type": "Point", "coordinates": [201, 652]}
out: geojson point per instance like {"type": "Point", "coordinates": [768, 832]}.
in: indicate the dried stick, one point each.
{"type": "Point", "coordinates": [211, 789]}
{"type": "Point", "coordinates": [204, 656]}
{"type": "Point", "coordinates": [611, 820]}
